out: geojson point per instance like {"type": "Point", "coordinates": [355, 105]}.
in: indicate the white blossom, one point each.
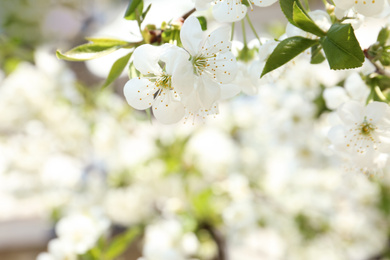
{"type": "Point", "coordinates": [158, 88]}
{"type": "Point", "coordinates": [364, 7]}
{"type": "Point", "coordinates": [364, 133]}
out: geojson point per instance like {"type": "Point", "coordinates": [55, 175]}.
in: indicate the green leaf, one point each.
{"type": "Point", "coordinates": [287, 7]}
{"type": "Point", "coordinates": [146, 11]}
{"type": "Point", "coordinates": [87, 51]}
{"type": "Point", "coordinates": [342, 48]}
{"type": "Point", "coordinates": [117, 69]}
{"type": "Point", "coordinates": [203, 22]}
{"type": "Point", "coordinates": [383, 36]}
{"type": "Point", "coordinates": [316, 55]}
{"type": "Point", "coordinates": [303, 21]}
{"type": "Point", "coordinates": [107, 41]}
{"type": "Point", "coordinates": [122, 242]}
{"type": "Point", "coordinates": [285, 51]}
{"type": "Point", "coordinates": [134, 7]}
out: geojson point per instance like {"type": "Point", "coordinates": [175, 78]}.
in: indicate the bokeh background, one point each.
{"type": "Point", "coordinates": [261, 171]}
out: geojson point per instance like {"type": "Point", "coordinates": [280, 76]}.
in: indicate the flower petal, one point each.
{"type": "Point", "coordinates": [218, 41]}
{"type": "Point", "coordinates": [344, 4]}
{"type": "Point", "coordinates": [146, 59]}
{"type": "Point", "coordinates": [139, 93]}
{"type": "Point", "coordinates": [368, 7]}
{"type": "Point", "coordinates": [209, 91]}
{"type": "Point", "coordinates": [225, 67]}
{"type": "Point", "coordinates": [228, 11]}
{"type": "Point", "coordinates": [202, 5]}
{"type": "Point", "coordinates": [376, 111]}
{"type": "Point", "coordinates": [264, 3]}
{"type": "Point", "coordinates": [229, 90]}
{"type": "Point", "coordinates": [191, 35]}
{"type": "Point", "coordinates": [351, 112]}
{"type": "Point", "coordinates": [167, 110]}
{"type": "Point", "coordinates": [334, 97]}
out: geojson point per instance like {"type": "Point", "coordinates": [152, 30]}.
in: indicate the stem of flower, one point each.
{"type": "Point", "coordinates": [232, 36]}
{"type": "Point", "coordinates": [243, 32]}
{"type": "Point", "coordinates": [186, 15]}
{"type": "Point", "coordinates": [253, 28]}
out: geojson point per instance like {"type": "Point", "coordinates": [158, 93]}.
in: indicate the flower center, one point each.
{"type": "Point", "coordinates": [201, 63]}
{"type": "Point", "coordinates": [164, 81]}
{"type": "Point", "coordinates": [366, 128]}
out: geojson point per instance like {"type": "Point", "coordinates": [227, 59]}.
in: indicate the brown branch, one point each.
{"type": "Point", "coordinates": [218, 239]}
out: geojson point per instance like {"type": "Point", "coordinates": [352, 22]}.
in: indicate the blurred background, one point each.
{"type": "Point", "coordinates": [261, 171]}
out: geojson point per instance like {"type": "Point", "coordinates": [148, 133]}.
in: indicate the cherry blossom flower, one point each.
{"type": "Point", "coordinates": [230, 10]}
{"type": "Point", "coordinates": [158, 88]}
{"type": "Point", "coordinates": [209, 68]}
{"type": "Point", "coordinates": [364, 7]}
{"type": "Point", "coordinates": [364, 133]}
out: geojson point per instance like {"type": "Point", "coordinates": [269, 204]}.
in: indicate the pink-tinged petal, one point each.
{"type": "Point", "coordinates": [351, 112]}
{"type": "Point", "coordinates": [146, 59]}
{"type": "Point", "coordinates": [263, 3]}
{"type": "Point", "coordinates": [209, 91]}
{"type": "Point", "coordinates": [344, 4]}
{"type": "Point", "coordinates": [217, 42]}
{"type": "Point", "coordinates": [229, 11]}
{"type": "Point", "coordinates": [167, 110]}
{"type": "Point", "coordinates": [191, 35]}
{"type": "Point", "coordinates": [369, 7]}
{"type": "Point", "coordinates": [376, 111]}
{"type": "Point", "coordinates": [139, 93]}
{"type": "Point", "coordinates": [229, 90]}
{"type": "Point", "coordinates": [225, 67]}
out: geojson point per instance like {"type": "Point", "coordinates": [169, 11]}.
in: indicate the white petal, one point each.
{"type": "Point", "coordinates": [202, 5]}
{"type": "Point", "coordinates": [376, 111]}
{"type": "Point", "coordinates": [139, 93]}
{"type": "Point", "coordinates": [167, 110]}
{"type": "Point", "coordinates": [225, 67]}
{"type": "Point", "coordinates": [209, 91]}
{"type": "Point", "coordinates": [369, 7]}
{"type": "Point", "coordinates": [264, 3]}
{"type": "Point", "coordinates": [146, 59]}
{"type": "Point", "coordinates": [356, 88]}
{"type": "Point", "coordinates": [218, 41]}
{"type": "Point", "coordinates": [334, 97]}
{"type": "Point", "coordinates": [336, 136]}
{"type": "Point", "coordinates": [229, 90]}
{"type": "Point", "coordinates": [178, 65]}
{"type": "Point", "coordinates": [344, 4]}
{"type": "Point", "coordinates": [229, 11]}
{"type": "Point", "coordinates": [351, 112]}
{"type": "Point", "coordinates": [191, 35]}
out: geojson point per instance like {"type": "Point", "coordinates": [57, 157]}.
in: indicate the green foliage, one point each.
{"type": "Point", "coordinates": [303, 21]}
{"type": "Point", "coordinates": [203, 22]}
{"type": "Point", "coordinates": [134, 10]}
{"type": "Point", "coordinates": [383, 36]}
{"type": "Point", "coordinates": [246, 54]}
{"type": "Point", "coordinates": [204, 208]}
{"type": "Point", "coordinates": [342, 48]}
{"type": "Point", "coordinates": [121, 242]}
{"type": "Point", "coordinates": [310, 228]}
{"type": "Point", "coordinates": [117, 69]}
{"type": "Point", "coordinates": [316, 55]}
{"type": "Point", "coordinates": [286, 51]}
{"type": "Point", "coordinates": [96, 49]}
